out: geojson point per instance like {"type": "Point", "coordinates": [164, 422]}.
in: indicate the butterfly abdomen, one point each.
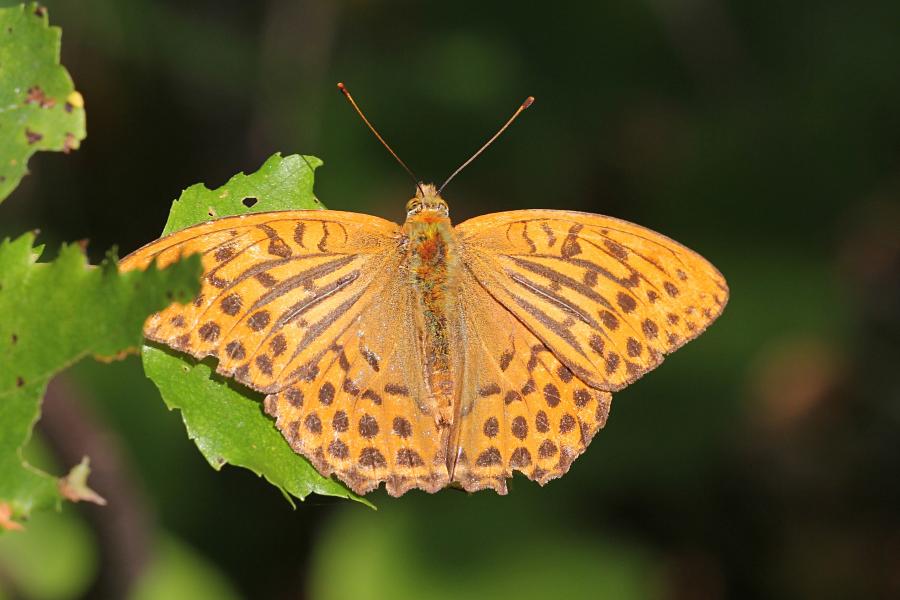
{"type": "Point", "coordinates": [431, 261]}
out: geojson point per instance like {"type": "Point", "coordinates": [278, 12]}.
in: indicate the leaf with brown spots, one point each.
{"type": "Point", "coordinates": [41, 109]}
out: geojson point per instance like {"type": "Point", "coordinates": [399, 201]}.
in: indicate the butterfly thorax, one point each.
{"type": "Point", "coordinates": [432, 265]}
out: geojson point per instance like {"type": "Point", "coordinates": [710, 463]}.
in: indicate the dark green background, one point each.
{"type": "Point", "coordinates": [759, 461]}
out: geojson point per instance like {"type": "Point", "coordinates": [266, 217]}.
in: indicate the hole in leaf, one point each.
{"type": "Point", "coordinates": [15, 338]}
{"type": "Point", "coordinates": [19, 381]}
{"type": "Point", "coordinates": [249, 201]}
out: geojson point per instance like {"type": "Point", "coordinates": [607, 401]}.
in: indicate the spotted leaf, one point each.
{"type": "Point", "coordinates": [41, 110]}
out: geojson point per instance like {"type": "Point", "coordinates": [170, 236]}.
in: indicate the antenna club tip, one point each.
{"type": "Point", "coordinates": [528, 102]}
{"type": "Point", "coordinates": [342, 87]}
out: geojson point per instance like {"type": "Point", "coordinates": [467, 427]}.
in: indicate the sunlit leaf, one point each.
{"type": "Point", "coordinates": [281, 183]}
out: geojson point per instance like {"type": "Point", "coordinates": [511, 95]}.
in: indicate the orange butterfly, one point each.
{"type": "Point", "coordinates": [426, 355]}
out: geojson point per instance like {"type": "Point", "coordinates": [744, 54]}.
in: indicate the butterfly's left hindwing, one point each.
{"type": "Point", "coordinates": [521, 408]}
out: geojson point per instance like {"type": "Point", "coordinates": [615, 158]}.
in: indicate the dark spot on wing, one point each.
{"type": "Point", "coordinates": [519, 427]}
{"type": "Point", "coordinates": [609, 320]}
{"type": "Point", "coordinates": [235, 350]}
{"type": "Point", "coordinates": [258, 320]}
{"type": "Point", "coordinates": [209, 332]}
{"type": "Point", "coordinates": [488, 458]}
{"type": "Point", "coordinates": [547, 449]}
{"type": "Point", "coordinates": [402, 427]}
{"type": "Point", "coordinates": [371, 457]}
{"type": "Point", "coordinates": [231, 304]}
{"type": "Point", "coordinates": [626, 302]}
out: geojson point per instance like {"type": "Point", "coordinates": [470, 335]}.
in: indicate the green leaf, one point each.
{"type": "Point", "coordinates": [39, 107]}
{"type": "Point", "coordinates": [225, 419]}
{"type": "Point", "coordinates": [54, 314]}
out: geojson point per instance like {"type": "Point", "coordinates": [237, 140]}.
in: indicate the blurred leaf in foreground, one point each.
{"type": "Point", "coordinates": [39, 107]}
{"type": "Point", "coordinates": [53, 315]}
{"type": "Point", "coordinates": [224, 419]}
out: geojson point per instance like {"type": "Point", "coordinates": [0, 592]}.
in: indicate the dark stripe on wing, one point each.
{"type": "Point", "coordinates": [302, 278]}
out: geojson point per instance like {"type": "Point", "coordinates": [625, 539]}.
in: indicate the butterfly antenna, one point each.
{"type": "Point", "coordinates": [346, 93]}
{"type": "Point", "coordinates": [528, 102]}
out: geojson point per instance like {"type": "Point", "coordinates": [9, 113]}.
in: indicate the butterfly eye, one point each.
{"type": "Point", "coordinates": [413, 205]}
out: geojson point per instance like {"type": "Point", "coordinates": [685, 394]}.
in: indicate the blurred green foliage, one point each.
{"type": "Point", "coordinates": [759, 461]}
{"type": "Point", "coordinates": [496, 559]}
{"type": "Point", "coordinates": [178, 572]}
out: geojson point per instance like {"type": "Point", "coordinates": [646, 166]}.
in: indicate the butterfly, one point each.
{"type": "Point", "coordinates": [426, 355]}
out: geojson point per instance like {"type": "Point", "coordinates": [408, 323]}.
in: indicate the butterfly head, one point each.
{"type": "Point", "coordinates": [427, 202]}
